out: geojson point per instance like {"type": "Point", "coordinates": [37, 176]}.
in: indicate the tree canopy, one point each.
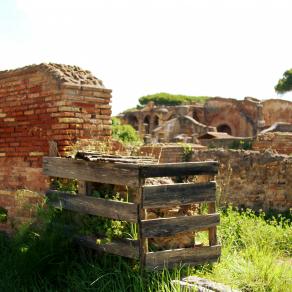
{"type": "Point", "coordinates": [285, 83]}
{"type": "Point", "coordinates": [163, 98]}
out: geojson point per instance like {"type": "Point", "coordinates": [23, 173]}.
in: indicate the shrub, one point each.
{"type": "Point", "coordinates": [171, 99]}
{"type": "Point", "coordinates": [124, 133]}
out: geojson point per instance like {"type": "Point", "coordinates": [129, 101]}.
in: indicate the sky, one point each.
{"type": "Point", "coordinates": [227, 48]}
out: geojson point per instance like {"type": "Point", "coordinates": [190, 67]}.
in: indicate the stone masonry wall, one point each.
{"type": "Point", "coordinates": [253, 179]}
{"type": "Point", "coordinates": [279, 142]}
{"type": "Point", "coordinates": [45, 109]}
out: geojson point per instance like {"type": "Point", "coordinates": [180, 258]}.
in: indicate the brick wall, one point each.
{"type": "Point", "coordinates": [45, 108]}
{"type": "Point", "coordinates": [258, 180]}
{"type": "Point", "coordinates": [276, 141]}
{"type": "Point", "coordinates": [168, 153]}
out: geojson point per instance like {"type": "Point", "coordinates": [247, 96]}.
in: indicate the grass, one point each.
{"type": "Point", "coordinates": [256, 256]}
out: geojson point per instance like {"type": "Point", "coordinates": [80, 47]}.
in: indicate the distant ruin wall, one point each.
{"type": "Point", "coordinates": [257, 180]}
{"type": "Point", "coordinates": [276, 141]}
{"type": "Point", "coordinates": [39, 105]}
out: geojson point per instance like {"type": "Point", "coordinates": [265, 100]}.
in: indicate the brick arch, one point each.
{"type": "Point", "coordinates": [224, 128]}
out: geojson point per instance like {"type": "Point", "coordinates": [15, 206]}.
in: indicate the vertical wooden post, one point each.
{"type": "Point", "coordinates": [84, 188]}
{"type": "Point", "coordinates": [212, 230]}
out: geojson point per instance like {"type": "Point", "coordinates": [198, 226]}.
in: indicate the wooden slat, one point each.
{"type": "Point", "coordinates": [95, 206]}
{"type": "Point", "coordinates": [123, 247]}
{"type": "Point", "coordinates": [179, 169]}
{"type": "Point", "coordinates": [178, 194]}
{"type": "Point", "coordinates": [109, 173]}
{"type": "Point", "coordinates": [163, 227]}
{"type": "Point", "coordinates": [190, 256]}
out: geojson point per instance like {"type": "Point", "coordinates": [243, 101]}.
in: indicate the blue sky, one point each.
{"type": "Point", "coordinates": [228, 48]}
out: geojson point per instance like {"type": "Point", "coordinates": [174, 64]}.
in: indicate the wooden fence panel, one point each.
{"type": "Point", "coordinates": [170, 258]}
{"type": "Point", "coordinates": [179, 169]}
{"type": "Point", "coordinates": [95, 206]}
{"type": "Point", "coordinates": [122, 247]}
{"type": "Point", "coordinates": [108, 173]}
{"type": "Point", "coordinates": [163, 196]}
{"type": "Point", "coordinates": [163, 227]}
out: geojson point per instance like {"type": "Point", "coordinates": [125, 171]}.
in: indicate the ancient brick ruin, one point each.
{"type": "Point", "coordinates": [238, 118]}
{"type": "Point", "coordinates": [45, 109]}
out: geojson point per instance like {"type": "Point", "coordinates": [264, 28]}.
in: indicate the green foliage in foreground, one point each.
{"type": "Point", "coordinates": [163, 98]}
{"type": "Point", "coordinates": [285, 83]}
{"type": "Point", "coordinates": [124, 133]}
{"type": "Point", "coordinates": [256, 256]}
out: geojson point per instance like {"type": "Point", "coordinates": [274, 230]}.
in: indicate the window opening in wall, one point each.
{"type": "Point", "coordinates": [224, 128]}
{"type": "Point", "coordinates": [147, 124]}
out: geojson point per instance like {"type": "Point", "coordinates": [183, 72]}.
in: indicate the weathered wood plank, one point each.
{"type": "Point", "coordinates": [163, 227]}
{"type": "Point", "coordinates": [178, 194]}
{"type": "Point", "coordinates": [212, 230]}
{"type": "Point", "coordinates": [109, 173]}
{"type": "Point", "coordinates": [94, 206]}
{"type": "Point", "coordinates": [122, 247]}
{"type": "Point", "coordinates": [178, 169]}
{"type": "Point", "coordinates": [189, 256]}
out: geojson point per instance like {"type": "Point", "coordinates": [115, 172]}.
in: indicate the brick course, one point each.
{"type": "Point", "coordinates": [42, 103]}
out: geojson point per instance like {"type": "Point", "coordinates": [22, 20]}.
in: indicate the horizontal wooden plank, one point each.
{"type": "Point", "coordinates": [163, 227]}
{"type": "Point", "coordinates": [94, 206]}
{"type": "Point", "coordinates": [178, 194]}
{"type": "Point", "coordinates": [189, 256]}
{"type": "Point", "coordinates": [109, 173]}
{"type": "Point", "coordinates": [179, 169]}
{"type": "Point", "coordinates": [123, 247]}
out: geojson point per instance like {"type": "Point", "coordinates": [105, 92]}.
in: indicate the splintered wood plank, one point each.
{"type": "Point", "coordinates": [178, 169]}
{"type": "Point", "coordinates": [189, 256]}
{"type": "Point", "coordinates": [123, 247]}
{"type": "Point", "coordinates": [178, 194]}
{"type": "Point", "coordinates": [163, 227]}
{"type": "Point", "coordinates": [94, 206]}
{"type": "Point", "coordinates": [109, 173]}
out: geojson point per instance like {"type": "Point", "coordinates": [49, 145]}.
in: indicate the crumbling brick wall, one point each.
{"type": "Point", "coordinates": [280, 142]}
{"type": "Point", "coordinates": [253, 179]}
{"type": "Point", "coordinates": [45, 109]}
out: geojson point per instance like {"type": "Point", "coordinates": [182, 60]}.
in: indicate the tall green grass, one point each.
{"type": "Point", "coordinates": [256, 256]}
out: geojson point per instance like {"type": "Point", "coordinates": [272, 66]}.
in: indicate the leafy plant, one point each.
{"type": "Point", "coordinates": [285, 83]}
{"type": "Point", "coordinates": [124, 133]}
{"type": "Point", "coordinates": [241, 144]}
{"type": "Point", "coordinates": [163, 98]}
{"type": "Point", "coordinates": [3, 215]}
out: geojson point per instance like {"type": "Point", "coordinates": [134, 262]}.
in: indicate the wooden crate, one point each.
{"type": "Point", "coordinates": [125, 172]}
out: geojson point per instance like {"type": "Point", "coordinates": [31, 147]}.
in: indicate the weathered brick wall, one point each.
{"type": "Point", "coordinates": [258, 180]}
{"type": "Point", "coordinates": [276, 141]}
{"type": "Point", "coordinates": [40, 104]}
{"type": "Point", "coordinates": [168, 153]}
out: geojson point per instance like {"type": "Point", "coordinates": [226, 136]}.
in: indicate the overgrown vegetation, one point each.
{"type": "Point", "coordinates": [241, 144]}
{"type": "Point", "coordinates": [285, 83]}
{"type": "Point", "coordinates": [163, 98]}
{"type": "Point", "coordinates": [256, 256]}
{"type": "Point", "coordinates": [3, 215]}
{"type": "Point", "coordinates": [124, 133]}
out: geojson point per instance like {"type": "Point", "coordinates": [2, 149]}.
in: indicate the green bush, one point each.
{"type": "Point", "coordinates": [163, 98]}
{"type": "Point", "coordinates": [124, 133]}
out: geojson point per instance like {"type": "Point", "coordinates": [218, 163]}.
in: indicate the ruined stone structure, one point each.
{"type": "Point", "coordinates": [239, 118]}
{"type": "Point", "coordinates": [253, 179]}
{"type": "Point", "coordinates": [45, 109]}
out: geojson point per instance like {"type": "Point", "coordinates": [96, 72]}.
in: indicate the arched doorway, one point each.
{"type": "Point", "coordinates": [133, 121]}
{"type": "Point", "coordinates": [224, 128]}
{"type": "Point", "coordinates": [155, 122]}
{"type": "Point", "coordinates": [146, 122]}
{"type": "Point", "coordinates": [195, 117]}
